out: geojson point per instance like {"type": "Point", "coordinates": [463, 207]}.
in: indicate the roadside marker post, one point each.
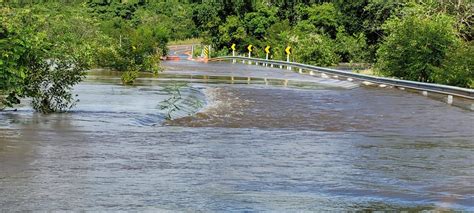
{"type": "Point", "coordinates": [250, 52]}
{"type": "Point", "coordinates": [288, 52]}
{"type": "Point", "coordinates": [267, 50]}
{"type": "Point", "coordinates": [206, 52]}
{"type": "Point", "coordinates": [233, 52]}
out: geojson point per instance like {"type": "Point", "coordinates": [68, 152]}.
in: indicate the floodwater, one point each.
{"type": "Point", "coordinates": [257, 145]}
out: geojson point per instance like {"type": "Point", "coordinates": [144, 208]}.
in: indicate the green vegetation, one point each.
{"type": "Point", "coordinates": [43, 56]}
{"type": "Point", "coordinates": [47, 46]}
{"type": "Point", "coordinates": [423, 41]}
{"type": "Point", "coordinates": [415, 45]}
{"type": "Point", "coordinates": [171, 104]}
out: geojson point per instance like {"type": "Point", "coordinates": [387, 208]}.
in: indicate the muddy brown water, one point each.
{"type": "Point", "coordinates": [322, 145]}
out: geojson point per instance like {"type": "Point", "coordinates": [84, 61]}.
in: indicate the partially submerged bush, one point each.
{"type": "Point", "coordinates": [51, 83]}
{"type": "Point", "coordinates": [129, 77]}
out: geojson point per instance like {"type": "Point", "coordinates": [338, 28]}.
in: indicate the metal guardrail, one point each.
{"type": "Point", "coordinates": [428, 87]}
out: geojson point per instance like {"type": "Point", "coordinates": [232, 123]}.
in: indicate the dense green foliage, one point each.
{"type": "Point", "coordinates": [415, 46]}
{"type": "Point", "coordinates": [47, 46]}
{"type": "Point", "coordinates": [43, 56]}
{"type": "Point", "coordinates": [457, 68]}
{"type": "Point", "coordinates": [413, 40]}
{"type": "Point", "coordinates": [425, 46]}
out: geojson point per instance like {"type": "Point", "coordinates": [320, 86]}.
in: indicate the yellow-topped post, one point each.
{"type": "Point", "coordinates": [267, 50]}
{"type": "Point", "coordinates": [233, 52]}
{"type": "Point", "coordinates": [250, 52]}
{"type": "Point", "coordinates": [288, 52]}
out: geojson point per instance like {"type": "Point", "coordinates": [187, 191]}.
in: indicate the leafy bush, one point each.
{"type": "Point", "coordinates": [415, 45]}
{"type": "Point", "coordinates": [49, 85]}
{"type": "Point", "coordinates": [317, 49]}
{"type": "Point", "coordinates": [129, 77]}
{"type": "Point", "coordinates": [138, 49]}
{"type": "Point", "coordinates": [457, 68]}
{"type": "Point", "coordinates": [351, 48]}
{"type": "Point", "coordinates": [223, 52]}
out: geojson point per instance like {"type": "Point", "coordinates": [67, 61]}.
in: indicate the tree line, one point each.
{"type": "Point", "coordinates": [46, 46]}
{"type": "Point", "coordinates": [428, 41]}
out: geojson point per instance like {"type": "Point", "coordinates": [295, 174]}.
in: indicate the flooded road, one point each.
{"type": "Point", "coordinates": [310, 144]}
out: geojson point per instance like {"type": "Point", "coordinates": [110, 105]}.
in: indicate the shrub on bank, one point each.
{"type": "Point", "coordinates": [457, 67]}
{"type": "Point", "coordinates": [416, 45]}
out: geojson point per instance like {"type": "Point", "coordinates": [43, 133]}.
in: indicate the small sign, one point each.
{"type": "Point", "coordinates": [288, 50]}
{"type": "Point", "coordinates": [267, 49]}
{"type": "Point", "coordinates": [233, 47]}
{"type": "Point", "coordinates": [250, 48]}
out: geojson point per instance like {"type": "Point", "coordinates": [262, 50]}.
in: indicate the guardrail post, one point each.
{"type": "Point", "coordinates": [266, 58]}
{"type": "Point", "coordinates": [288, 60]}
{"type": "Point", "coordinates": [233, 55]}
{"type": "Point", "coordinates": [300, 71]}
{"type": "Point", "coordinates": [250, 54]}
{"type": "Point", "coordinates": [450, 99]}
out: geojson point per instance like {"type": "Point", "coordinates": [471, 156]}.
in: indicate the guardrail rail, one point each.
{"type": "Point", "coordinates": [425, 87]}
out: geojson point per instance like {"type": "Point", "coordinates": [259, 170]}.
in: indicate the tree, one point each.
{"type": "Point", "coordinates": [232, 31]}
{"type": "Point", "coordinates": [323, 16]}
{"type": "Point", "coordinates": [258, 22]}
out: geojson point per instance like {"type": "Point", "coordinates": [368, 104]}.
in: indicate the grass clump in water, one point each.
{"type": "Point", "coordinates": [170, 105]}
